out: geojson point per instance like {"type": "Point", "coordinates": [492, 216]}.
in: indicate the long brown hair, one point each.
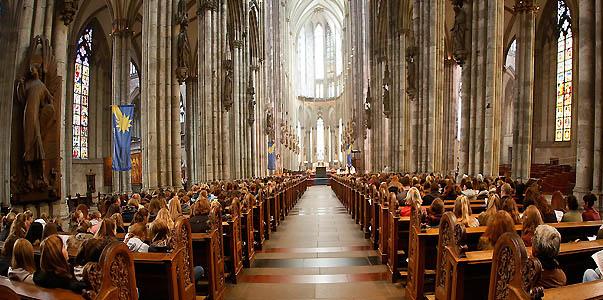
{"type": "Point", "coordinates": [511, 207]}
{"type": "Point", "coordinates": [501, 224]}
{"type": "Point", "coordinates": [558, 202]}
{"type": "Point", "coordinates": [106, 229]}
{"type": "Point", "coordinates": [52, 259]}
{"type": "Point", "coordinates": [531, 219]}
{"type": "Point", "coordinates": [23, 256]}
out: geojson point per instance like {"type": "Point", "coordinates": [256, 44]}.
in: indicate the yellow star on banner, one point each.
{"type": "Point", "coordinates": [123, 122]}
{"type": "Point", "coordinates": [271, 148]}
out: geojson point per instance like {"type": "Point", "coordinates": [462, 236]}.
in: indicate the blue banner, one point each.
{"type": "Point", "coordinates": [271, 156]}
{"type": "Point", "coordinates": [123, 116]}
{"type": "Point", "coordinates": [348, 153]}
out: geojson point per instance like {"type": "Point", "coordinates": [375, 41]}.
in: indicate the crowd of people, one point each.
{"type": "Point", "coordinates": [501, 197]}
{"type": "Point", "coordinates": [145, 218]}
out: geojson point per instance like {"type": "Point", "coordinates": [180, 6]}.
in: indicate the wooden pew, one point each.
{"type": "Point", "coordinates": [460, 268]}
{"type": "Point", "coordinates": [513, 276]}
{"type": "Point", "coordinates": [208, 252]}
{"type": "Point", "coordinates": [430, 245]}
{"type": "Point", "coordinates": [259, 234]}
{"type": "Point", "coordinates": [247, 233]}
{"type": "Point", "coordinates": [233, 244]}
{"type": "Point", "coordinates": [168, 275]}
{"type": "Point", "coordinates": [111, 278]}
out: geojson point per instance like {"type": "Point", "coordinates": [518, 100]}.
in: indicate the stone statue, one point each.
{"type": "Point", "coordinates": [458, 32]}
{"type": "Point", "coordinates": [270, 124]}
{"type": "Point", "coordinates": [39, 111]}
{"type": "Point", "coordinates": [411, 73]}
{"type": "Point", "coordinates": [228, 86]}
{"type": "Point", "coordinates": [250, 101]}
{"type": "Point", "coordinates": [386, 101]}
{"type": "Point", "coordinates": [36, 130]}
{"type": "Point", "coordinates": [368, 109]}
{"type": "Point", "coordinates": [183, 46]}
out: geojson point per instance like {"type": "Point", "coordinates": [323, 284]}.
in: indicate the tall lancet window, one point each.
{"type": "Point", "coordinates": [320, 139]}
{"type": "Point", "coordinates": [563, 107]}
{"type": "Point", "coordinates": [81, 93]}
{"type": "Point", "coordinates": [319, 54]}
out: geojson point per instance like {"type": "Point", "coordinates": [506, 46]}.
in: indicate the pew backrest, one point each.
{"type": "Point", "coordinates": [113, 276]}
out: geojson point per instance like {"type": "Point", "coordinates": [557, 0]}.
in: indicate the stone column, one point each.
{"type": "Point", "coordinates": [586, 90]}
{"type": "Point", "coordinates": [120, 91]}
{"type": "Point", "coordinates": [194, 160]}
{"type": "Point", "coordinates": [524, 102]}
{"type": "Point", "coordinates": [160, 97]}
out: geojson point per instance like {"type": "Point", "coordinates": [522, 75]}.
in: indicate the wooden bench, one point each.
{"type": "Point", "coordinates": [168, 275]}
{"type": "Point", "coordinates": [111, 278]}
{"type": "Point", "coordinates": [425, 253]}
{"type": "Point", "coordinates": [208, 252]}
{"type": "Point", "coordinates": [233, 244]}
{"type": "Point", "coordinates": [458, 267]}
{"type": "Point", "coordinates": [247, 234]}
{"type": "Point", "coordinates": [259, 222]}
{"type": "Point", "coordinates": [513, 275]}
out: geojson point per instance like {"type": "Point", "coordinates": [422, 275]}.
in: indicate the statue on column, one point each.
{"type": "Point", "coordinates": [250, 101]}
{"type": "Point", "coordinates": [368, 109]}
{"type": "Point", "coordinates": [411, 72]}
{"type": "Point", "coordinates": [270, 124]}
{"type": "Point", "coordinates": [386, 99]}
{"type": "Point", "coordinates": [228, 87]}
{"type": "Point", "coordinates": [184, 46]}
{"type": "Point", "coordinates": [36, 147]}
{"type": "Point", "coordinates": [458, 32]}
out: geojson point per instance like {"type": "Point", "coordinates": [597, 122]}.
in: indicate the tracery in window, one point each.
{"type": "Point", "coordinates": [563, 107]}
{"type": "Point", "coordinates": [81, 93]}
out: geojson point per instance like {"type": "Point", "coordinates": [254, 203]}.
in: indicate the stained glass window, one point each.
{"type": "Point", "coordinates": [563, 103]}
{"type": "Point", "coordinates": [81, 93]}
{"type": "Point", "coordinates": [319, 57]}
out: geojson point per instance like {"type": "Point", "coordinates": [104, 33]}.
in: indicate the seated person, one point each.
{"type": "Point", "coordinates": [159, 233]}
{"type": "Point", "coordinates": [433, 189]}
{"type": "Point", "coordinates": [590, 213]}
{"type": "Point", "coordinates": [90, 251]}
{"type": "Point", "coordinates": [50, 229]}
{"type": "Point", "coordinates": [500, 224]}
{"type": "Point", "coordinates": [511, 207]}
{"type": "Point", "coordinates": [119, 223]}
{"type": "Point", "coordinates": [164, 216]}
{"type": "Point", "coordinates": [435, 212]}
{"type": "Point", "coordinates": [545, 247]}
{"type": "Point", "coordinates": [130, 209]}
{"type": "Point", "coordinates": [80, 235]}
{"type": "Point", "coordinates": [34, 234]}
{"type": "Point", "coordinates": [7, 251]}
{"type": "Point", "coordinates": [7, 221]}
{"type": "Point", "coordinates": [55, 271]}
{"type": "Point", "coordinates": [462, 211]}
{"type": "Point", "coordinates": [485, 216]}
{"type": "Point", "coordinates": [137, 234]}
{"type": "Point", "coordinates": [106, 230]}
{"type": "Point", "coordinates": [573, 214]}
{"type": "Point", "coordinates": [413, 197]}
{"type": "Point", "coordinates": [531, 220]}
{"type": "Point", "coordinates": [199, 219]}
{"type": "Point", "coordinates": [546, 211]}
{"type": "Point", "coordinates": [23, 264]}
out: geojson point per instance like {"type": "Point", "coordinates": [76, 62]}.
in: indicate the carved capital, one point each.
{"type": "Point", "coordinates": [68, 10]}
{"type": "Point", "coordinates": [525, 6]}
{"type": "Point", "coordinates": [120, 28]}
{"type": "Point", "coordinates": [205, 5]}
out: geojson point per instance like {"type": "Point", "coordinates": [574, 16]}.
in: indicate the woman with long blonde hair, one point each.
{"type": "Point", "coordinates": [531, 219]}
{"type": "Point", "coordinates": [485, 217]}
{"type": "Point", "coordinates": [462, 210]}
{"type": "Point", "coordinates": [22, 264]}
{"type": "Point", "coordinates": [175, 208]}
{"type": "Point", "coordinates": [164, 216]}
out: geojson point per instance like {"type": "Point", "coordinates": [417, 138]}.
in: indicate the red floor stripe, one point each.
{"type": "Point", "coordinates": [333, 278]}
{"type": "Point", "coordinates": [316, 249]}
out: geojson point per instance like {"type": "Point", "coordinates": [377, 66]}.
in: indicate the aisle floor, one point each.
{"type": "Point", "coordinates": [318, 252]}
